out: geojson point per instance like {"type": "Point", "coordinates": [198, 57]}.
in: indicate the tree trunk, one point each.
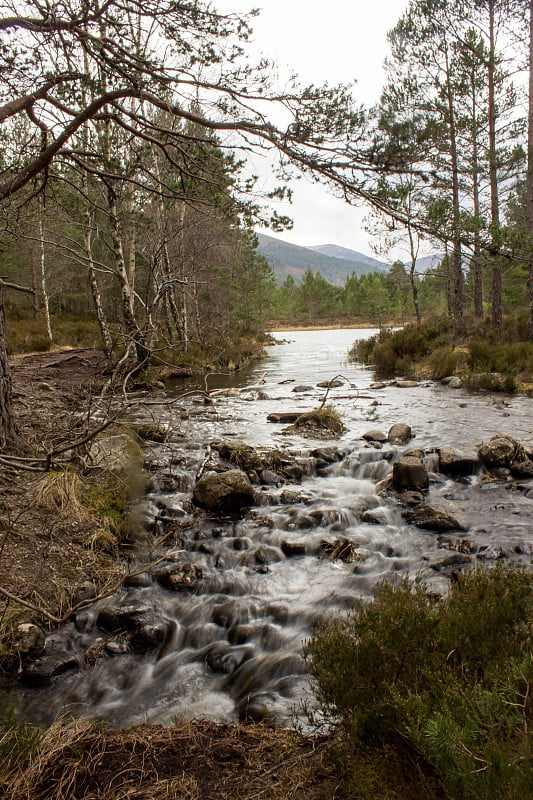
{"type": "Point", "coordinates": [8, 430]}
{"type": "Point", "coordinates": [46, 304]}
{"type": "Point", "coordinates": [529, 181]}
{"type": "Point", "coordinates": [133, 332]}
{"type": "Point", "coordinates": [457, 264]}
{"type": "Point", "coordinates": [476, 258]}
{"type": "Point", "coordinates": [95, 291]}
{"type": "Point", "coordinates": [493, 178]}
{"type": "Point", "coordinates": [412, 275]}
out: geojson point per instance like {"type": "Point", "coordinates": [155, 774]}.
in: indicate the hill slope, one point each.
{"type": "Point", "coordinates": [290, 259]}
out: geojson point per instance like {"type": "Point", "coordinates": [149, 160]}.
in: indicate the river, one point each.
{"type": "Point", "coordinates": [233, 646]}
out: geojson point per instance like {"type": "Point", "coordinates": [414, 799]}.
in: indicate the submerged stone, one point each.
{"type": "Point", "coordinates": [432, 519]}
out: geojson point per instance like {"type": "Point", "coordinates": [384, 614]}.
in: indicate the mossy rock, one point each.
{"type": "Point", "coordinates": [321, 423]}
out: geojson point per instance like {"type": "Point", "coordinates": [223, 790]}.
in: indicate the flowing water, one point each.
{"type": "Point", "coordinates": [233, 645]}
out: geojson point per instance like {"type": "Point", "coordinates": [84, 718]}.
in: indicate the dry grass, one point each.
{"type": "Point", "coordinates": [63, 492]}
{"type": "Point", "coordinates": [78, 760]}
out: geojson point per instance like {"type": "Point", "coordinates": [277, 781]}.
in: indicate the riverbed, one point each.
{"type": "Point", "coordinates": [233, 644]}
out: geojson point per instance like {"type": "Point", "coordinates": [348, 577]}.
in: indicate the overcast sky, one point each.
{"type": "Point", "coordinates": [334, 41]}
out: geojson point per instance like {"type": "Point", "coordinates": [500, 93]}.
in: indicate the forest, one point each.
{"type": "Point", "coordinates": [128, 204]}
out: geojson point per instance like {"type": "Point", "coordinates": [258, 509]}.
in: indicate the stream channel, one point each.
{"type": "Point", "coordinates": [232, 643]}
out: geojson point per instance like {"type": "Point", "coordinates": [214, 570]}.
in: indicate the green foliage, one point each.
{"type": "Point", "coordinates": [451, 677]}
{"type": "Point", "coordinates": [398, 351]}
{"type": "Point", "coordinates": [514, 358]}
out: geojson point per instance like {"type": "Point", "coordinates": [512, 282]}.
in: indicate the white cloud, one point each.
{"type": "Point", "coordinates": [338, 42]}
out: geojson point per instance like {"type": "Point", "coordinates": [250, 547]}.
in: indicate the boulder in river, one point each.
{"type": "Point", "coordinates": [432, 519]}
{"type": "Point", "coordinates": [179, 577]}
{"type": "Point", "coordinates": [303, 388]}
{"type": "Point", "coordinates": [458, 462]}
{"type": "Point", "coordinates": [522, 470]}
{"type": "Point", "coordinates": [121, 618]}
{"type": "Point", "coordinates": [374, 436]}
{"type": "Point", "coordinates": [334, 384]}
{"type": "Point", "coordinates": [400, 433]}
{"type": "Point", "coordinates": [321, 423]}
{"type": "Point", "coordinates": [409, 473]}
{"type": "Point", "coordinates": [224, 491]}
{"type": "Point", "coordinates": [501, 451]}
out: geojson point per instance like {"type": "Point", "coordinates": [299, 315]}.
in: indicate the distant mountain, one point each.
{"type": "Point", "coordinates": [290, 259]}
{"type": "Point", "coordinates": [425, 263]}
{"type": "Point", "coordinates": [336, 251]}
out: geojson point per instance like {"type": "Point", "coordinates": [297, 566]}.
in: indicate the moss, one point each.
{"type": "Point", "coordinates": [325, 418]}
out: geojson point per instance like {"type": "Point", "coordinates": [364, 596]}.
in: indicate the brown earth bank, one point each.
{"type": "Point", "coordinates": [45, 553]}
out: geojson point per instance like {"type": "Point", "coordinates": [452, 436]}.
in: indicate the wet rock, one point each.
{"type": "Point", "coordinates": [342, 549]}
{"type": "Point", "coordinates": [462, 546]}
{"type": "Point", "coordinates": [56, 660]}
{"type": "Point", "coordinates": [261, 556]}
{"type": "Point", "coordinates": [254, 712]}
{"type": "Point", "coordinates": [84, 592]}
{"type": "Point", "coordinates": [224, 491]}
{"type": "Point", "coordinates": [151, 433]}
{"type": "Point", "coordinates": [416, 452]}
{"type": "Point", "coordinates": [121, 618]}
{"type": "Point", "coordinates": [522, 470]}
{"type": "Point", "coordinates": [269, 478]}
{"type": "Point", "coordinates": [167, 483]}
{"type": "Point", "coordinates": [376, 516]}
{"type": "Point", "coordinates": [223, 658]}
{"type": "Point", "coordinates": [501, 451]}
{"type": "Point", "coordinates": [409, 473]}
{"type": "Point", "coordinates": [404, 384]}
{"type": "Point", "coordinates": [328, 454]}
{"type": "Point", "coordinates": [28, 640]}
{"type": "Point", "coordinates": [149, 635]}
{"type": "Point", "coordinates": [239, 453]}
{"type": "Point", "coordinates": [292, 549]}
{"type": "Point", "coordinates": [491, 553]}
{"type": "Point", "coordinates": [451, 562]}
{"type": "Point", "coordinates": [241, 543]}
{"type": "Point", "coordinates": [374, 436]}
{"type": "Point", "coordinates": [411, 498]}
{"type": "Point", "coordinates": [378, 385]}
{"type": "Point", "coordinates": [303, 388]}
{"type": "Point", "coordinates": [458, 462]}
{"type": "Point", "coordinates": [140, 580]}
{"type": "Point", "coordinates": [455, 382]}
{"type": "Point", "coordinates": [295, 472]}
{"type": "Point", "coordinates": [432, 519]}
{"type": "Point", "coordinates": [290, 497]}
{"type": "Point", "coordinates": [321, 423]}
{"type": "Point", "coordinates": [332, 384]}
{"type": "Point", "coordinates": [400, 433]}
{"type": "Point", "coordinates": [285, 417]}
{"type": "Point", "coordinates": [179, 577]}
{"type": "Point", "coordinates": [240, 634]}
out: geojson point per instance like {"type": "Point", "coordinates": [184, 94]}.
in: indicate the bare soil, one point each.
{"type": "Point", "coordinates": [44, 554]}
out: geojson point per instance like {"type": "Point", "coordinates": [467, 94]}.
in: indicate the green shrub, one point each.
{"type": "Point", "coordinates": [451, 677]}
{"type": "Point", "coordinates": [398, 351]}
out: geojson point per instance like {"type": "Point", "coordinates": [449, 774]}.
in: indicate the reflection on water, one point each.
{"type": "Point", "coordinates": [232, 647]}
